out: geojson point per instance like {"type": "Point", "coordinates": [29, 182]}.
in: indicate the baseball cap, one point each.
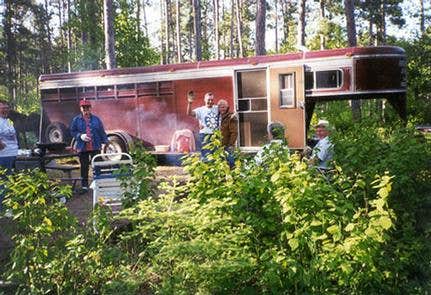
{"type": "Point", "coordinates": [84, 102]}
{"type": "Point", "coordinates": [322, 123]}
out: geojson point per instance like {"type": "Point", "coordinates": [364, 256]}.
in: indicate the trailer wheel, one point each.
{"type": "Point", "coordinates": [115, 145]}
{"type": "Point", "coordinates": [56, 132]}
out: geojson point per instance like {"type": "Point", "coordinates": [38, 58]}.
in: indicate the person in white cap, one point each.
{"type": "Point", "coordinates": [323, 151]}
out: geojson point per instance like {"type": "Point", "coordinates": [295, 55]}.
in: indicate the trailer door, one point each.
{"type": "Point", "coordinates": [252, 107]}
{"type": "Point", "coordinates": [287, 99]}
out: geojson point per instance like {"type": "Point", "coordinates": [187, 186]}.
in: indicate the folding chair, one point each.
{"type": "Point", "coordinates": [106, 183]}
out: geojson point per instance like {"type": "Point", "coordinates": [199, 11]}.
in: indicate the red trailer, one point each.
{"type": "Point", "coordinates": [149, 103]}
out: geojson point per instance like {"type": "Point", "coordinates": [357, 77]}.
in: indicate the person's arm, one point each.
{"type": "Point", "coordinates": [190, 99]}
{"type": "Point", "coordinates": [74, 129]}
{"type": "Point", "coordinates": [2, 145]}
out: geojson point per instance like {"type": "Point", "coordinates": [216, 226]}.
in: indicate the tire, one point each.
{"type": "Point", "coordinates": [56, 133]}
{"type": "Point", "coordinates": [115, 145]}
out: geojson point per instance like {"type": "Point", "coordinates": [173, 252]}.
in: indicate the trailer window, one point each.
{"type": "Point", "coordinates": [287, 90]}
{"type": "Point", "coordinates": [328, 79]}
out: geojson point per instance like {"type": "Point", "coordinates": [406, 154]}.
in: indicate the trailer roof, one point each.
{"type": "Point", "coordinates": [351, 51]}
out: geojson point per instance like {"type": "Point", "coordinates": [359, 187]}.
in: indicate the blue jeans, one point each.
{"type": "Point", "coordinates": [204, 139]}
{"type": "Point", "coordinates": [7, 163]}
{"type": "Point", "coordinates": [230, 157]}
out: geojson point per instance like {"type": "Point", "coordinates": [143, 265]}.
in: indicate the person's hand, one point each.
{"type": "Point", "coordinates": [85, 137]}
{"type": "Point", "coordinates": [190, 96]}
{"type": "Point", "coordinates": [2, 145]}
{"type": "Point", "coordinates": [103, 147]}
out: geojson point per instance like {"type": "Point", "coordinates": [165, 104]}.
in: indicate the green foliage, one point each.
{"type": "Point", "coordinates": [132, 47]}
{"type": "Point", "coordinates": [419, 77]}
{"type": "Point", "coordinates": [136, 182]}
{"type": "Point", "coordinates": [52, 254]}
{"type": "Point", "coordinates": [259, 228]}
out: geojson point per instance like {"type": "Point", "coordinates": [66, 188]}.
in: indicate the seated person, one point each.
{"type": "Point", "coordinates": [277, 143]}
{"type": "Point", "coordinates": [323, 151]}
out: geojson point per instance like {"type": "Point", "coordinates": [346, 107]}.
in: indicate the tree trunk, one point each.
{"type": "Point", "coordinates": [351, 38]}
{"type": "Point", "coordinates": [179, 59]}
{"type": "Point", "coordinates": [276, 25]}
{"type": "Point", "coordinates": [47, 51]}
{"type": "Point", "coordinates": [10, 46]}
{"type": "Point", "coordinates": [322, 18]}
{"type": "Point", "coordinates": [144, 12]}
{"type": "Point", "coordinates": [422, 17]}
{"type": "Point", "coordinates": [162, 44]}
{"type": "Point", "coordinates": [260, 27]}
{"type": "Point", "coordinates": [69, 38]}
{"type": "Point", "coordinates": [239, 28]}
{"type": "Point", "coordinates": [138, 16]}
{"type": "Point", "coordinates": [109, 35]}
{"type": "Point", "coordinates": [216, 29]}
{"type": "Point", "coordinates": [231, 28]}
{"type": "Point", "coordinates": [301, 24]}
{"type": "Point", "coordinates": [167, 32]}
{"type": "Point", "coordinates": [197, 28]}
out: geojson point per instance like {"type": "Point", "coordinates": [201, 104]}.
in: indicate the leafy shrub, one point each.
{"type": "Point", "coordinates": [137, 182]}
{"type": "Point", "coordinates": [53, 254]}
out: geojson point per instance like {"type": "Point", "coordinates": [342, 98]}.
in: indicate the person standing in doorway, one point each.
{"type": "Point", "coordinates": [90, 136]}
{"type": "Point", "coordinates": [8, 144]}
{"type": "Point", "coordinates": [208, 117]}
{"type": "Point", "coordinates": [228, 129]}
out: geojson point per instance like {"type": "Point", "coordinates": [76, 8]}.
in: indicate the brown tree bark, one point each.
{"type": "Point", "coordinates": [239, 27]}
{"type": "Point", "coordinates": [177, 6]}
{"type": "Point", "coordinates": [351, 38]}
{"type": "Point", "coordinates": [216, 29]}
{"type": "Point", "coordinates": [322, 17]}
{"type": "Point", "coordinates": [301, 24]}
{"type": "Point", "coordinates": [197, 28]}
{"type": "Point", "coordinates": [108, 24]}
{"type": "Point", "coordinates": [260, 27]}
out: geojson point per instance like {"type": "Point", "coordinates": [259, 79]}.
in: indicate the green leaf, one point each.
{"type": "Point", "coordinates": [293, 243]}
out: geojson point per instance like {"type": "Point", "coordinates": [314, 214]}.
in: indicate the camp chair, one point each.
{"type": "Point", "coordinates": [106, 183]}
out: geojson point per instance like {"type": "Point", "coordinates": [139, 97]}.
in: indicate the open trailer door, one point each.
{"type": "Point", "coordinates": [287, 100]}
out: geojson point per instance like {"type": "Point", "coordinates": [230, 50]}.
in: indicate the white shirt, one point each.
{"type": "Point", "coordinates": [208, 119]}
{"type": "Point", "coordinates": [8, 137]}
{"type": "Point", "coordinates": [324, 152]}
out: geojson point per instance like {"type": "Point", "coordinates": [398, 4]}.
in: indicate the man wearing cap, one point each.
{"type": "Point", "coordinates": [89, 134]}
{"type": "Point", "coordinates": [323, 151]}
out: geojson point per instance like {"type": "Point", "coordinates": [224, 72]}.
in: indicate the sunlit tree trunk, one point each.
{"type": "Point", "coordinates": [144, 12]}
{"type": "Point", "coordinates": [167, 32]}
{"type": "Point", "coordinates": [216, 29]}
{"type": "Point", "coordinates": [231, 35]}
{"type": "Point", "coordinates": [197, 28]}
{"type": "Point", "coordinates": [238, 27]}
{"type": "Point", "coordinates": [260, 27]}
{"type": "Point", "coordinates": [69, 39]}
{"type": "Point", "coordinates": [108, 24]}
{"type": "Point", "coordinates": [301, 24]}
{"type": "Point", "coordinates": [349, 10]}
{"type": "Point", "coordinates": [177, 6]}
{"type": "Point", "coordinates": [322, 18]}
{"type": "Point", "coordinates": [276, 24]}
